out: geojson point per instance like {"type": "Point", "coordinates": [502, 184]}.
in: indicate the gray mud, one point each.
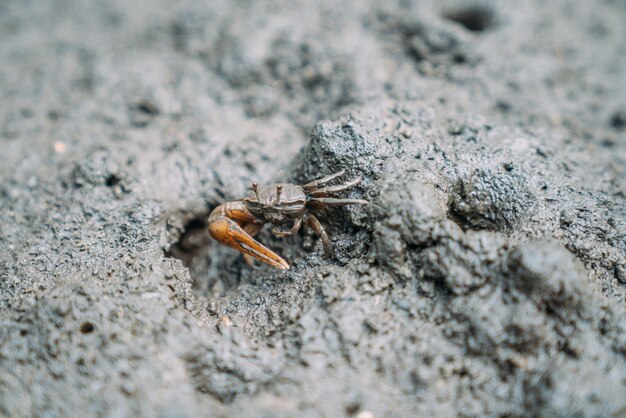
{"type": "Point", "coordinates": [486, 278]}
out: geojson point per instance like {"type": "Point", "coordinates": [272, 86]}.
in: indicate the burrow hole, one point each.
{"type": "Point", "coordinates": [112, 180]}
{"type": "Point", "coordinates": [476, 17]}
{"type": "Point", "coordinates": [87, 327]}
{"type": "Point", "coordinates": [214, 268]}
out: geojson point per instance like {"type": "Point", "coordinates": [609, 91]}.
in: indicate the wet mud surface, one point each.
{"type": "Point", "coordinates": [487, 276]}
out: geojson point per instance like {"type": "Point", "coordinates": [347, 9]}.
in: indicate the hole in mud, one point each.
{"type": "Point", "coordinates": [618, 120]}
{"type": "Point", "coordinates": [112, 180]}
{"type": "Point", "coordinates": [475, 17]}
{"type": "Point", "coordinates": [142, 113]}
{"type": "Point", "coordinates": [213, 268]}
{"type": "Point", "coordinates": [353, 407]}
{"type": "Point", "coordinates": [459, 58]}
{"type": "Point", "coordinates": [191, 242]}
{"type": "Point", "coordinates": [87, 327]}
{"type": "Point", "coordinates": [458, 218]}
{"type": "Point", "coordinates": [147, 107]}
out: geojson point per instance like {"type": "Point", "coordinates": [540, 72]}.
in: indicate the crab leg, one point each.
{"type": "Point", "coordinates": [225, 227]}
{"type": "Point", "coordinates": [293, 231]}
{"type": "Point", "coordinates": [323, 180]}
{"type": "Point", "coordinates": [321, 231]}
{"type": "Point", "coordinates": [324, 191]}
{"type": "Point", "coordinates": [331, 201]}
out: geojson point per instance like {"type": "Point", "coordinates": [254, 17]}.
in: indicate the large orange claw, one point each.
{"type": "Point", "coordinates": [225, 230]}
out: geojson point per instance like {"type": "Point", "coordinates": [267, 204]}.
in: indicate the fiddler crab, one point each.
{"type": "Point", "coordinates": [236, 223]}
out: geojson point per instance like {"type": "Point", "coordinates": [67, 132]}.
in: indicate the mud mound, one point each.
{"type": "Point", "coordinates": [485, 278]}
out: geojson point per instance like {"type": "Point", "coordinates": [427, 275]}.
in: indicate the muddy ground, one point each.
{"type": "Point", "coordinates": [486, 278]}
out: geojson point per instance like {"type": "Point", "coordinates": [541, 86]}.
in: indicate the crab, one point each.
{"type": "Point", "coordinates": [286, 206]}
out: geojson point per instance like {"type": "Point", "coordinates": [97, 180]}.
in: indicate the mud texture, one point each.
{"type": "Point", "coordinates": [486, 278]}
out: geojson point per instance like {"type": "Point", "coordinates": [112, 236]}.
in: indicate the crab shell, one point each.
{"type": "Point", "coordinates": [277, 204]}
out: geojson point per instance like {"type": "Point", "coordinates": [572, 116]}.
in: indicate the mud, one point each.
{"type": "Point", "coordinates": [486, 277]}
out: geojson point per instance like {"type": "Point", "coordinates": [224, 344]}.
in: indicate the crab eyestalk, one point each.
{"type": "Point", "coordinates": [255, 188]}
{"type": "Point", "coordinates": [279, 189]}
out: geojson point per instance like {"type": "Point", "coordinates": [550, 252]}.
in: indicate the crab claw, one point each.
{"type": "Point", "coordinates": [228, 232]}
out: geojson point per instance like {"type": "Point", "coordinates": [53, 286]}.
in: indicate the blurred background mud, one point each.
{"type": "Point", "coordinates": [486, 278]}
